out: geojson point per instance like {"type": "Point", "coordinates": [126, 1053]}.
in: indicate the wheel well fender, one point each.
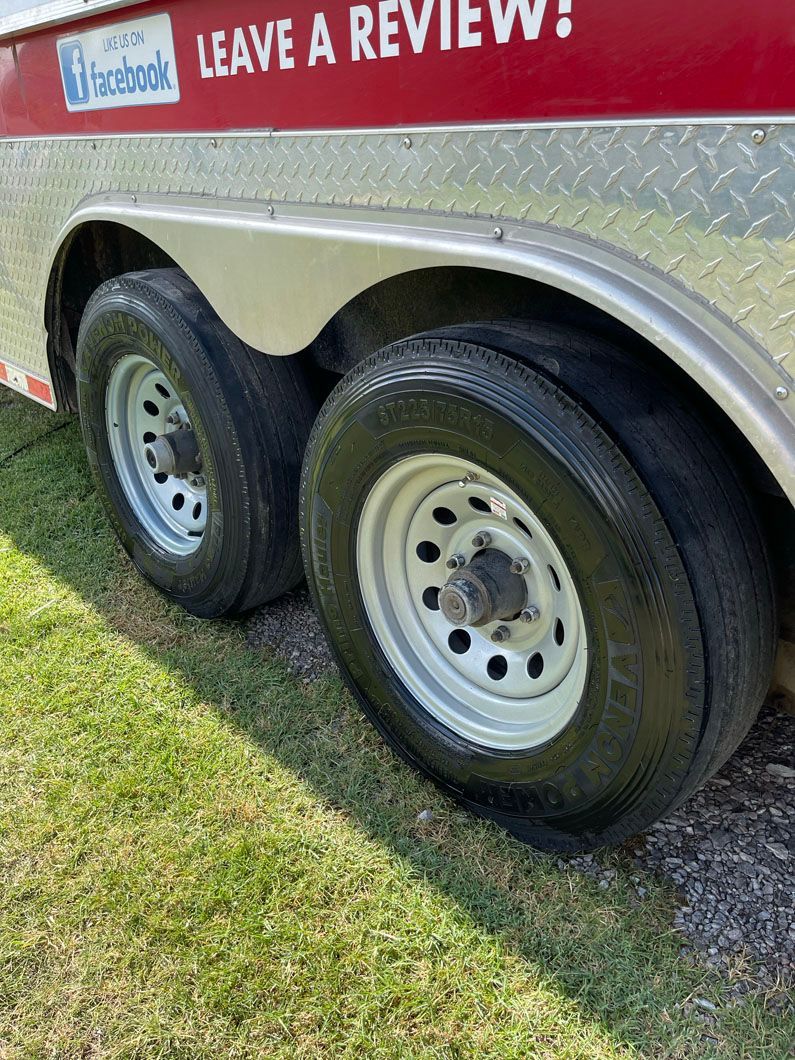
{"type": "Point", "coordinates": [279, 276]}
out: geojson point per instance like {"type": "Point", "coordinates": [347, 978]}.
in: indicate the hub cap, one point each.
{"type": "Point", "coordinates": [143, 407]}
{"type": "Point", "coordinates": [498, 655]}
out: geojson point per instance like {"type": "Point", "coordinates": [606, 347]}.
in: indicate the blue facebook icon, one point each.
{"type": "Point", "coordinates": [73, 71]}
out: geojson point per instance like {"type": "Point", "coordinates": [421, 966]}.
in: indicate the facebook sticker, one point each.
{"type": "Point", "coordinates": [73, 72]}
{"type": "Point", "coordinates": [128, 64]}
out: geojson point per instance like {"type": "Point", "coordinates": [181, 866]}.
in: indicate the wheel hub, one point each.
{"type": "Point", "coordinates": [175, 453]}
{"type": "Point", "coordinates": [484, 590]}
{"type": "Point", "coordinates": [471, 601]}
{"type": "Point", "coordinates": [156, 454]}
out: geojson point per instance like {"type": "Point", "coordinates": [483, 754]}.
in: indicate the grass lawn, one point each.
{"type": "Point", "coordinates": [200, 856]}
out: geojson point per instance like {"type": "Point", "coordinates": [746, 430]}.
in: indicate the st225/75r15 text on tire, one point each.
{"type": "Point", "coordinates": [559, 609]}
{"type": "Point", "coordinates": [195, 442]}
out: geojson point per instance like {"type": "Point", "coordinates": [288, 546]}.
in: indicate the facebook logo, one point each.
{"type": "Point", "coordinates": [73, 71]}
{"type": "Point", "coordinates": [129, 64]}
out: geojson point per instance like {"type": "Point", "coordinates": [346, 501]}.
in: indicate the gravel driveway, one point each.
{"type": "Point", "coordinates": [730, 851]}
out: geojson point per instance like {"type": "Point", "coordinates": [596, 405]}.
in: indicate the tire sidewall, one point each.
{"type": "Point", "coordinates": [631, 586]}
{"type": "Point", "coordinates": [126, 317]}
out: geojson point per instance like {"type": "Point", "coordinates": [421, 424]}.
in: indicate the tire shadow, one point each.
{"type": "Point", "coordinates": [611, 953]}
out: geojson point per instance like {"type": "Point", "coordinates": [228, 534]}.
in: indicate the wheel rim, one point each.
{"type": "Point", "coordinates": [143, 404]}
{"type": "Point", "coordinates": [508, 695]}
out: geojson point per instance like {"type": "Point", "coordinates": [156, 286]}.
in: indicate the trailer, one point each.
{"type": "Point", "coordinates": [478, 314]}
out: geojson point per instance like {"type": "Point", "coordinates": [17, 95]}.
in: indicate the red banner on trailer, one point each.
{"type": "Point", "coordinates": [299, 64]}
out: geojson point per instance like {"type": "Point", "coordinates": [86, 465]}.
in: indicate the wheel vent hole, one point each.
{"type": "Point", "coordinates": [428, 552]}
{"type": "Point", "coordinates": [162, 391]}
{"type": "Point", "coordinates": [178, 502]}
{"type": "Point", "coordinates": [525, 529]}
{"type": "Point", "coordinates": [497, 667]}
{"type": "Point", "coordinates": [535, 665]}
{"type": "Point", "coordinates": [197, 509]}
{"type": "Point", "coordinates": [149, 437]}
{"type": "Point", "coordinates": [444, 516]}
{"type": "Point", "coordinates": [554, 576]}
{"type": "Point", "coordinates": [479, 504]}
{"type": "Point", "coordinates": [431, 598]}
{"type": "Point", "coordinates": [161, 477]}
{"type": "Point", "coordinates": [459, 641]}
{"type": "Point", "coordinates": [560, 632]}
{"type": "Point", "coordinates": [151, 408]}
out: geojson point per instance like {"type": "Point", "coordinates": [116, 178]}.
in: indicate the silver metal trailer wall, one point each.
{"type": "Point", "coordinates": [684, 232]}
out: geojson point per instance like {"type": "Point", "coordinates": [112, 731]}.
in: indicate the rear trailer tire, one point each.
{"type": "Point", "coordinates": [579, 695]}
{"type": "Point", "coordinates": [213, 523]}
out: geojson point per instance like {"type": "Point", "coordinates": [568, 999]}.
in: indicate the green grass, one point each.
{"type": "Point", "coordinates": [200, 856]}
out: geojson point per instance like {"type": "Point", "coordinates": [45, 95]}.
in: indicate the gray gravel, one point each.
{"type": "Point", "coordinates": [289, 629]}
{"type": "Point", "coordinates": [730, 851]}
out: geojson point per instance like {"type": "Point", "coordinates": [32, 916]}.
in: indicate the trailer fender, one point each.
{"type": "Point", "coordinates": [277, 273]}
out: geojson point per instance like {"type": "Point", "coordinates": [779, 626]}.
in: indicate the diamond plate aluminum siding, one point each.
{"type": "Point", "coordinates": [703, 203]}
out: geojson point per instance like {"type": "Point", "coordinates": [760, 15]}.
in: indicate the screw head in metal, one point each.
{"type": "Point", "coordinates": [482, 539]}
{"type": "Point", "coordinates": [407, 141]}
{"type": "Point", "coordinates": [133, 198]}
{"type": "Point", "coordinates": [213, 142]}
{"type": "Point", "coordinates": [271, 211]}
{"type": "Point", "coordinates": [498, 233]}
{"type": "Point", "coordinates": [456, 561]}
{"type": "Point", "coordinates": [519, 566]}
{"type": "Point", "coordinates": [758, 136]}
{"type": "Point", "coordinates": [781, 393]}
{"type": "Point", "coordinates": [530, 614]}
{"type": "Point", "coordinates": [500, 634]}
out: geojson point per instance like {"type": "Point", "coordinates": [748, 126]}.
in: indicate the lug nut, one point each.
{"type": "Point", "coordinates": [530, 614]}
{"type": "Point", "coordinates": [500, 634]}
{"type": "Point", "coordinates": [482, 540]}
{"type": "Point", "coordinates": [519, 566]}
{"type": "Point", "coordinates": [456, 561]}
{"type": "Point", "coordinates": [469, 477]}
{"type": "Point", "coordinates": [174, 419]}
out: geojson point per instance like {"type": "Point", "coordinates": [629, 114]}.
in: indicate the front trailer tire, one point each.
{"type": "Point", "coordinates": [151, 339]}
{"type": "Point", "coordinates": [650, 521]}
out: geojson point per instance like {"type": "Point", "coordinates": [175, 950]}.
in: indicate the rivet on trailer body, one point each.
{"type": "Point", "coordinates": [758, 136]}
{"type": "Point", "coordinates": [213, 142]}
{"type": "Point", "coordinates": [782, 393]}
{"type": "Point", "coordinates": [271, 210]}
{"type": "Point", "coordinates": [133, 198]}
{"type": "Point", "coordinates": [407, 141]}
{"type": "Point", "coordinates": [497, 233]}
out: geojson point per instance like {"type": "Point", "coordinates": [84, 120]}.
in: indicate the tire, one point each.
{"type": "Point", "coordinates": [232, 540]}
{"type": "Point", "coordinates": [636, 518]}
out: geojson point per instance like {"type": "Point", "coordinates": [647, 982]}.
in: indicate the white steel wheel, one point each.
{"type": "Point", "coordinates": [143, 405]}
{"type": "Point", "coordinates": [508, 680]}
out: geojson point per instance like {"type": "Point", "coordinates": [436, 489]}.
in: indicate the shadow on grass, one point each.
{"type": "Point", "coordinates": [607, 951]}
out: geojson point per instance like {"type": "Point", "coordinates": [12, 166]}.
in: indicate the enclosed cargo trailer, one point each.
{"type": "Point", "coordinates": [488, 306]}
